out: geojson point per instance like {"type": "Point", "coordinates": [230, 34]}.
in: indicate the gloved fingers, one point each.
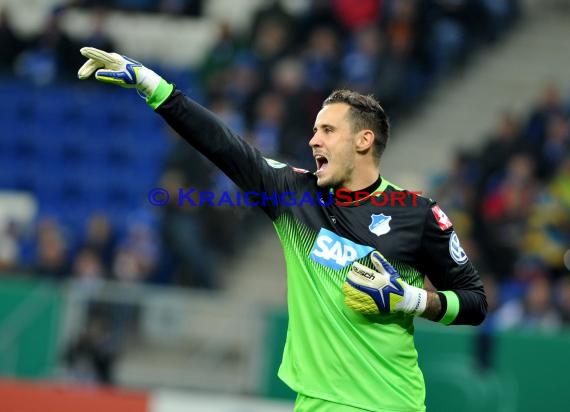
{"type": "Point", "coordinates": [381, 264]}
{"type": "Point", "coordinates": [365, 276]}
{"type": "Point", "coordinates": [99, 55]}
{"type": "Point", "coordinates": [88, 69]}
{"type": "Point", "coordinates": [358, 300]}
{"type": "Point", "coordinates": [111, 61]}
{"type": "Point", "coordinates": [112, 76]}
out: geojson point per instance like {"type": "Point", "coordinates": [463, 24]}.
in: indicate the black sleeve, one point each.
{"type": "Point", "coordinates": [449, 269]}
{"type": "Point", "coordinates": [240, 161]}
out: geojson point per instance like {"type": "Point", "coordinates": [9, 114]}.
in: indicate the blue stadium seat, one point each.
{"type": "Point", "coordinates": [77, 157]}
{"type": "Point", "coordinates": [10, 170]}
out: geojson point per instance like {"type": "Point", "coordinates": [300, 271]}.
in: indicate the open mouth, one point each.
{"type": "Point", "coordinates": [322, 163]}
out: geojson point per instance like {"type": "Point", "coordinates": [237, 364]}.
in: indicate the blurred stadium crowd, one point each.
{"type": "Point", "coordinates": [510, 201]}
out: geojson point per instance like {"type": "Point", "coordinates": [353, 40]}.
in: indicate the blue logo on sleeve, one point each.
{"type": "Point", "coordinates": [456, 251]}
{"type": "Point", "coordinates": [335, 251]}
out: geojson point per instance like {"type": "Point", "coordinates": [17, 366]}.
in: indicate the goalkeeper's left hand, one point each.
{"type": "Point", "coordinates": [120, 70]}
{"type": "Point", "coordinates": [370, 291]}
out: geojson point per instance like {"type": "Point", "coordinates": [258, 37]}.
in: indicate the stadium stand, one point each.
{"type": "Point", "coordinates": [265, 72]}
{"type": "Point", "coordinates": [79, 159]}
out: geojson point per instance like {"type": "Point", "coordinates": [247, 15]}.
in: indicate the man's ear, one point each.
{"type": "Point", "coordinates": [365, 140]}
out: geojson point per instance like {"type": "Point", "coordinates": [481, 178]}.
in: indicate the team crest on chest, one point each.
{"type": "Point", "coordinates": [380, 224]}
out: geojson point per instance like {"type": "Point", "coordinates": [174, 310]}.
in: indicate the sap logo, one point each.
{"type": "Point", "coordinates": [336, 252]}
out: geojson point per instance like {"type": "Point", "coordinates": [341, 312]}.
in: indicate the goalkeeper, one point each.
{"type": "Point", "coordinates": [355, 273]}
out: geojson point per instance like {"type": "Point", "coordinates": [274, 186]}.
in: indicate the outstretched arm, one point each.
{"type": "Point", "coordinates": [240, 161]}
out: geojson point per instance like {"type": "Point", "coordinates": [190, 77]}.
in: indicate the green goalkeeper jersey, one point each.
{"type": "Point", "coordinates": [334, 353]}
{"type": "Point", "coordinates": [331, 352]}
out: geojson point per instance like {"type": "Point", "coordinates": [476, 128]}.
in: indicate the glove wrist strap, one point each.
{"type": "Point", "coordinates": [147, 81]}
{"type": "Point", "coordinates": [415, 300]}
{"type": "Point", "coordinates": [160, 94]}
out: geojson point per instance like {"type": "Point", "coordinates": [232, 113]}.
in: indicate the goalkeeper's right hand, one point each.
{"type": "Point", "coordinates": [370, 291]}
{"type": "Point", "coordinates": [121, 70]}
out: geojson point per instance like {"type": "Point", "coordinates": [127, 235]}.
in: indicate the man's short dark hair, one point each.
{"type": "Point", "coordinates": [365, 113]}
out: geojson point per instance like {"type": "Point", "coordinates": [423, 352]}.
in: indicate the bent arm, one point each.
{"type": "Point", "coordinates": [460, 298]}
{"type": "Point", "coordinates": [456, 307]}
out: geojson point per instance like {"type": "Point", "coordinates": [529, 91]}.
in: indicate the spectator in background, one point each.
{"type": "Point", "coordinates": [456, 189]}
{"type": "Point", "coordinates": [550, 105]}
{"type": "Point", "coordinates": [560, 184]}
{"type": "Point", "coordinates": [91, 357]}
{"type": "Point", "coordinates": [183, 232]}
{"type": "Point", "coordinates": [194, 8]}
{"type": "Point", "coordinates": [135, 5]}
{"type": "Point", "coordinates": [98, 35]}
{"type": "Point", "coordinates": [269, 114]}
{"type": "Point", "coordinates": [456, 193]}
{"type": "Point", "coordinates": [52, 248]}
{"type": "Point", "coordinates": [401, 20]}
{"type": "Point", "coordinates": [242, 83]}
{"type": "Point", "coordinates": [355, 14]}
{"type": "Point", "coordinates": [548, 235]}
{"type": "Point", "coordinates": [361, 65]}
{"type": "Point", "coordinates": [321, 59]}
{"type": "Point", "coordinates": [174, 7]}
{"type": "Point", "coordinates": [499, 147]}
{"type": "Point", "coordinates": [89, 271]}
{"type": "Point", "coordinates": [9, 247]}
{"type": "Point", "coordinates": [500, 15]}
{"type": "Point", "coordinates": [272, 13]}
{"type": "Point", "coordinates": [100, 239]}
{"type": "Point", "coordinates": [178, 7]}
{"type": "Point", "coordinates": [492, 161]}
{"type": "Point", "coordinates": [505, 209]}
{"type": "Point", "coordinates": [213, 70]}
{"type": "Point", "coordinates": [271, 43]}
{"type": "Point", "coordinates": [287, 82]}
{"type": "Point", "coordinates": [404, 67]}
{"type": "Point", "coordinates": [319, 13]}
{"type": "Point", "coordinates": [137, 256]}
{"type": "Point", "coordinates": [453, 22]}
{"type": "Point", "coordinates": [88, 265]}
{"type": "Point", "coordinates": [563, 298]}
{"type": "Point", "coordinates": [535, 311]}
{"type": "Point", "coordinates": [127, 267]}
{"type": "Point", "coordinates": [51, 54]}
{"type": "Point", "coordinates": [556, 146]}
{"type": "Point", "coordinates": [11, 45]}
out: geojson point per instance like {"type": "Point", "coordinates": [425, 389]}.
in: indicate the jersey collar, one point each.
{"type": "Point", "coordinates": [381, 186]}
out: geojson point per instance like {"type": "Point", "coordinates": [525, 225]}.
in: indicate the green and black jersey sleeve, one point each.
{"type": "Point", "coordinates": [331, 352]}
{"type": "Point", "coordinates": [445, 263]}
{"type": "Point", "coordinates": [240, 161]}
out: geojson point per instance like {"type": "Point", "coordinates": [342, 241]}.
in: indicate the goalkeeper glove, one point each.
{"type": "Point", "coordinates": [121, 70]}
{"type": "Point", "coordinates": [382, 290]}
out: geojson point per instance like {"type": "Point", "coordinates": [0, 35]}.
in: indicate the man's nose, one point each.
{"type": "Point", "coordinates": [315, 140]}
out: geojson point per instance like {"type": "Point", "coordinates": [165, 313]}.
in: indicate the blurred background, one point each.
{"type": "Point", "coordinates": [108, 301]}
